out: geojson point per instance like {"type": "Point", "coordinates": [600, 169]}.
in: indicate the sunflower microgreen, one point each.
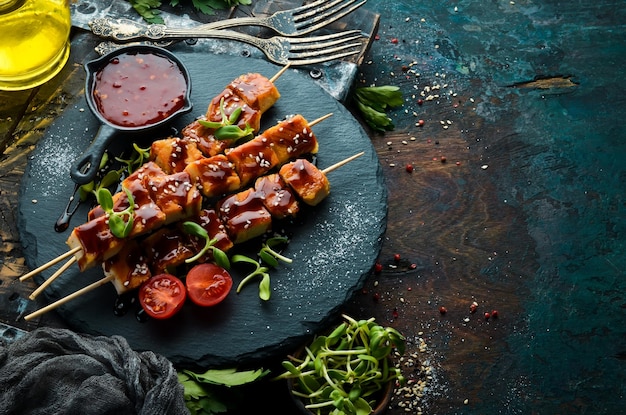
{"type": "Point", "coordinates": [120, 222]}
{"type": "Point", "coordinates": [219, 256]}
{"type": "Point", "coordinates": [227, 128]}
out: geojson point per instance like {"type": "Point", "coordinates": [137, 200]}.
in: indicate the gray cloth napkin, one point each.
{"type": "Point", "coordinates": [57, 371]}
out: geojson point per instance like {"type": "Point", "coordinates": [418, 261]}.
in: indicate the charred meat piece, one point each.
{"type": "Point", "coordinates": [252, 159]}
{"type": "Point", "coordinates": [166, 249]}
{"type": "Point", "coordinates": [228, 101]}
{"type": "Point", "coordinates": [210, 221]}
{"type": "Point", "coordinates": [204, 139]}
{"type": "Point", "coordinates": [256, 90]}
{"type": "Point", "coordinates": [96, 242]}
{"type": "Point", "coordinates": [175, 194]}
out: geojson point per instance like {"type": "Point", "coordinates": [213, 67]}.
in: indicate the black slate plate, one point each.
{"type": "Point", "coordinates": [332, 250]}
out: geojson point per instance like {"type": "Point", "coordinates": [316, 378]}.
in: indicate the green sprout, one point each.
{"type": "Point", "coordinates": [120, 222]}
{"type": "Point", "coordinates": [137, 159]}
{"type": "Point", "coordinates": [150, 10]}
{"type": "Point", "coordinates": [268, 255]}
{"type": "Point", "coordinates": [227, 128]}
{"type": "Point", "coordinates": [219, 256]}
{"type": "Point", "coordinates": [264, 285]}
{"type": "Point", "coordinates": [93, 186]}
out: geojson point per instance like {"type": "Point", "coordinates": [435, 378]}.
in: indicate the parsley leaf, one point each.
{"type": "Point", "coordinates": [149, 9]}
{"type": "Point", "coordinates": [205, 394]}
{"type": "Point", "coordinates": [374, 101]}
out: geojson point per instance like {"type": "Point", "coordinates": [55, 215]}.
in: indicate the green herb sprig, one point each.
{"type": "Point", "coordinates": [227, 128]}
{"type": "Point", "coordinates": [111, 177]}
{"type": "Point", "coordinates": [219, 256]}
{"type": "Point", "coordinates": [120, 222]}
{"type": "Point", "coordinates": [268, 255]}
{"type": "Point", "coordinates": [149, 9]}
{"type": "Point", "coordinates": [373, 103]}
{"type": "Point", "coordinates": [137, 159]}
{"type": "Point", "coordinates": [204, 392]}
{"type": "Point", "coordinates": [263, 272]}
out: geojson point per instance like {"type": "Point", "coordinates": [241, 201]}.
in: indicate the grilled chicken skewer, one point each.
{"type": "Point", "coordinates": [295, 178]}
{"type": "Point", "coordinates": [214, 176]}
{"type": "Point", "coordinates": [160, 199]}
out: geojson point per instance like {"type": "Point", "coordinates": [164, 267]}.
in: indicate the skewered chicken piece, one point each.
{"type": "Point", "coordinates": [307, 180]}
{"type": "Point", "coordinates": [158, 200]}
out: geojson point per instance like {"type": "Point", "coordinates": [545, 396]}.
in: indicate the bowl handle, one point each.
{"type": "Point", "coordinates": [84, 169]}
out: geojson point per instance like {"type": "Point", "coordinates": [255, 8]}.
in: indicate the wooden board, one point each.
{"type": "Point", "coordinates": [333, 250]}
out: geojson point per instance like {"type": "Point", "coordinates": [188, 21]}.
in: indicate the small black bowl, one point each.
{"type": "Point", "coordinates": [84, 169]}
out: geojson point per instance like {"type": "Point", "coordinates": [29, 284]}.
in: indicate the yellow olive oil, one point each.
{"type": "Point", "coordinates": [34, 41]}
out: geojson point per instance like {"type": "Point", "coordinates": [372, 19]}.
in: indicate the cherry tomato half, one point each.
{"type": "Point", "coordinates": [208, 284]}
{"type": "Point", "coordinates": [162, 296]}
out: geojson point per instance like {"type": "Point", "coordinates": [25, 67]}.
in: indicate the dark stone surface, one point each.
{"type": "Point", "coordinates": [333, 249]}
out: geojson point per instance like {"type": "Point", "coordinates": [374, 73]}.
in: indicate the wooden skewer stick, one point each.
{"type": "Point", "coordinates": [279, 73]}
{"type": "Point", "coordinates": [342, 162]}
{"type": "Point", "coordinates": [52, 278]}
{"type": "Point", "coordinates": [70, 297]}
{"type": "Point", "coordinates": [320, 119]}
{"type": "Point", "coordinates": [49, 263]}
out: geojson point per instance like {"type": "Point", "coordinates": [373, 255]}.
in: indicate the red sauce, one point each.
{"type": "Point", "coordinates": [139, 89]}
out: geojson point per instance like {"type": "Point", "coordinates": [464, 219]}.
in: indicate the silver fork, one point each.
{"type": "Point", "coordinates": [295, 22]}
{"type": "Point", "coordinates": [298, 51]}
{"type": "Point", "coordinates": [282, 50]}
